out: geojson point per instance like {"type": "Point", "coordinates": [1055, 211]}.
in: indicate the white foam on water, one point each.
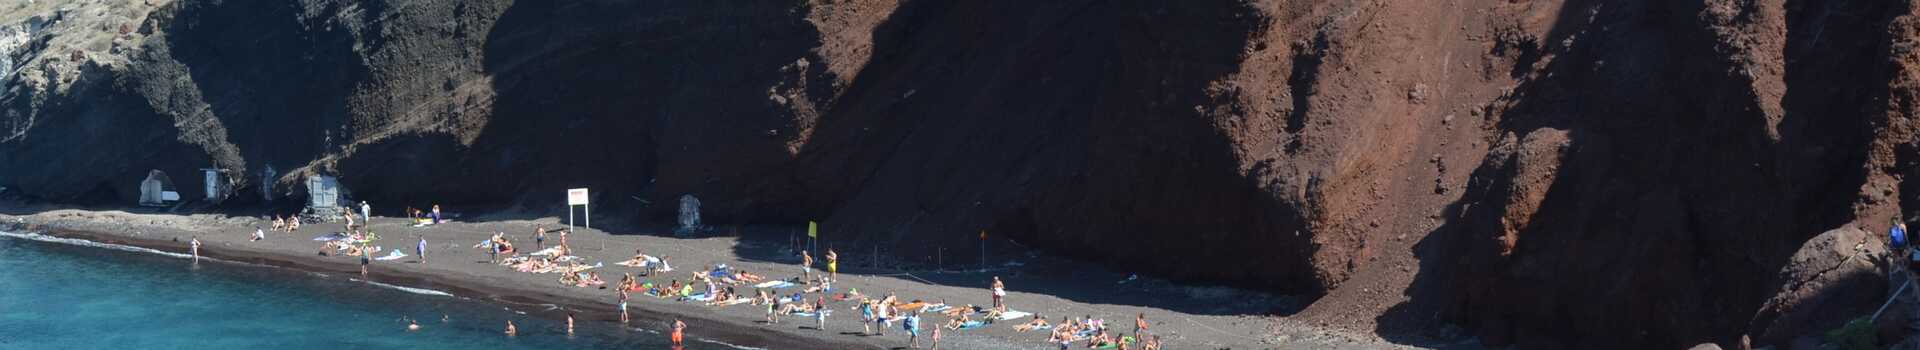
{"type": "Point", "coordinates": [421, 291]}
{"type": "Point", "coordinates": [87, 243]}
{"type": "Point", "coordinates": [730, 345]}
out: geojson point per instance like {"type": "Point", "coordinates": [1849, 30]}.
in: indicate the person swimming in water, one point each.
{"type": "Point", "coordinates": [569, 323]}
{"type": "Point", "coordinates": [413, 325]}
{"type": "Point", "coordinates": [511, 331]}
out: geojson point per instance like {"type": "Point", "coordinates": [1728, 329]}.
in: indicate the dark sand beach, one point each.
{"type": "Point", "coordinates": [1187, 317]}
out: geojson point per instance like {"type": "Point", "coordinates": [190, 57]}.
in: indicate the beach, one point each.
{"type": "Point", "coordinates": [1186, 317]}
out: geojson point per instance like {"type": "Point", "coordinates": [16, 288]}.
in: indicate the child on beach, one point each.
{"type": "Point", "coordinates": [421, 249]}
{"type": "Point", "coordinates": [820, 313]}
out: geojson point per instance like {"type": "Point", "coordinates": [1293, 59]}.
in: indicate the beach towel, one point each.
{"type": "Point", "coordinates": [392, 255]}
{"type": "Point", "coordinates": [736, 301]}
{"type": "Point", "coordinates": [701, 297]}
{"type": "Point", "coordinates": [331, 237]}
{"type": "Point", "coordinates": [774, 284]}
{"type": "Point", "coordinates": [548, 251]}
{"type": "Point", "coordinates": [973, 324]}
{"type": "Point", "coordinates": [1013, 314]}
{"type": "Point", "coordinates": [937, 308]}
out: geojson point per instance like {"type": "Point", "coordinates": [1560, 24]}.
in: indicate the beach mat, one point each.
{"type": "Point", "coordinates": [774, 284]}
{"type": "Point", "coordinates": [973, 324]}
{"type": "Point", "coordinates": [392, 255]}
{"type": "Point", "coordinates": [1013, 314]}
{"type": "Point", "coordinates": [937, 308]}
{"type": "Point", "coordinates": [330, 237]}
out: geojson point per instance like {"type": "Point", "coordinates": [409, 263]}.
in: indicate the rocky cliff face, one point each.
{"type": "Point", "coordinates": [1599, 173]}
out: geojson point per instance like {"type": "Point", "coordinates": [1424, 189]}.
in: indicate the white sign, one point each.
{"type": "Point", "coordinates": [577, 196]}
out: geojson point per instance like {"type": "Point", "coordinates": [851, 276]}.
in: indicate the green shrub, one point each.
{"type": "Point", "coordinates": [1855, 335]}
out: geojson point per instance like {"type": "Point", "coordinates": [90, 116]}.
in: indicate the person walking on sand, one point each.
{"type": "Point", "coordinates": [833, 264]}
{"type": "Point", "coordinates": [806, 265]}
{"type": "Point", "coordinates": [194, 245]}
{"type": "Point", "coordinates": [936, 338]}
{"type": "Point", "coordinates": [511, 331]}
{"type": "Point", "coordinates": [999, 292]}
{"type": "Point", "coordinates": [421, 249]}
{"type": "Point", "coordinates": [679, 332]}
{"type": "Point", "coordinates": [913, 330]}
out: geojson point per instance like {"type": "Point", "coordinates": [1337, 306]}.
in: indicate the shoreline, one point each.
{"type": "Point", "coordinates": [711, 330]}
{"type": "Point", "coordinates": [1196, 317]}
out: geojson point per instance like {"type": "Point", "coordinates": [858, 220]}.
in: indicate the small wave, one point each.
{"type": "Point", "coordinates": [730, 345]}
{"type": "Point", "coordinates": [87, 243]}
{"type": "Point", "coordinates": [409, 289]}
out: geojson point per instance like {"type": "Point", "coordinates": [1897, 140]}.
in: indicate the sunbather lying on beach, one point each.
{"type": "Point", "coordinates": [958, 311]}
{"type": "Point", "coordinates": [956, 323]}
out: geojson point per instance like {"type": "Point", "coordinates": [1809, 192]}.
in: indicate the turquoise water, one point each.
{"type": "Point", "coordinates": [65, 296]}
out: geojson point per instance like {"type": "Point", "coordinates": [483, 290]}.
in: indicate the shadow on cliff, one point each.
{"type": "Point", "coordinates": [276, 77]}
{"type": "Point", "coordinates": [1068, 128]}
{"type": "Point", "coordinates": [1672, 209]}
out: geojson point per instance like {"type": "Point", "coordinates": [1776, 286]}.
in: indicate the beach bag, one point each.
{"type": "Point", "coordinates": [1897, 237]}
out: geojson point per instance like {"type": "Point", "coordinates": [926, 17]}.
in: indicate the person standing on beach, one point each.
{"type": "Point", "coordinates": [936, 338]}
{"type": "Point", "coordinates": [436, 214]}
{"type": "Point", "coordinates": [195, 246]}
{"type": "Point", "coordinates": [349, 217]}
{"type": "Point", "coordinates": [364, 260]}
{"type": "Point", "coordinates": [563, 241]}
{"type": "Point", "coordinates": [806, 265]}
{"type": "Point", "coordinates": [421, 249]}
{"type": "Point", "coordinates": [1140, 326]}
{"type": "Point", "coordinates": [999, 291]}
{"type": "Point", "coordinates": [366, 212]}
{"type": "Point", "coordinates": [679, 332]}
{"type": "Point", "coordinates": [539, 238]}
{"type": "Point", "coordinates": [833, 264]}
{"type": "Point", "coordinates": [623, 305]}
{"type": "Point", "coordinates": [819, 313]}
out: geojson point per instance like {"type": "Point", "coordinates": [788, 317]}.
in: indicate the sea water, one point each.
{"type": "Point", "coordinates": [78, 295]}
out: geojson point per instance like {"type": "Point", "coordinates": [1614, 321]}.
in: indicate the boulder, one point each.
{"type": "Point", "coordinates": [1834, 277]}
{"type": "Point", "coordinates": [1705, 346]}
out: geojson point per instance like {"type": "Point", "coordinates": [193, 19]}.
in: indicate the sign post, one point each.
{"type": "Point", "coordinates": [578, 196]}
{"type": "Point", "coordinates": [983, 250]}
